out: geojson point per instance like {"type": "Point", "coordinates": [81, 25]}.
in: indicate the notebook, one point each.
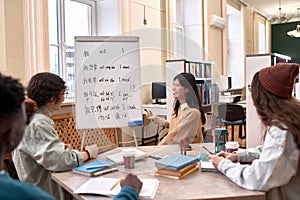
{"type": "Point", "coordinates": [92, 168]}
{"type": "Point", "coordinates": [207, 166]}
{"type": "Point", "coordinates": [175, 161]}
{"type": "Point", "coordinates": [118, 157]}
{"type": "Point", "coordinates": [102, 186]}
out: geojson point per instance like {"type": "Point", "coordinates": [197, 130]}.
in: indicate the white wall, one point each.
{"type": "Point", "coordinates": [108, 17]}
{"type": "Point", "coordinates": [14, 39]}
{"type": "Point", "coordinates": [2, 37]}
{"type": "Point", "coordinates": [254, 126]}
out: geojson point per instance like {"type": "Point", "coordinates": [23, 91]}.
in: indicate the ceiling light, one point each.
{"type": "Point", "coordinates": [296, 32]}
{"type": "Point", "coordinates": [280, 17]}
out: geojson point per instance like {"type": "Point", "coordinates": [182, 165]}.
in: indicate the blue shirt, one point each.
{"type": "Point", "coordinates": [11, 189]}
{"type": "Point", "coordinates": [127, 193]}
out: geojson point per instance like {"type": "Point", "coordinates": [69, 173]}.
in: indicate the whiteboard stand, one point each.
{"type": "Point", "coordinates": [108, 78]}
{"type": "Point", "coordinates": [116, 135]}
{"type": "Point", "coordinates": [134, 136]}
{"type": "Point", "coordinates": [134, 124]}
{"type": "Point", "coordinates": [108, 82]}
{"type": "Point", "coordinates": [82, 140]}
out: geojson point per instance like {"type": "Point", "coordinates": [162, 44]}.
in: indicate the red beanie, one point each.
{"type": "Point", "coordinates": [279, 79]}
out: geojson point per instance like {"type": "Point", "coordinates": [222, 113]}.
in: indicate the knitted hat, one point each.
{"type": "Point", "coordinates": [279, 79]}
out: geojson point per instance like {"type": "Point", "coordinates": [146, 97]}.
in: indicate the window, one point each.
{"type": "Point", "coordinates": [235, 46]}
{"type": "Point", "coordinates": [67, 19]}
{"type": "Point", "coordinates": [262, 38]}
{"type": "Point", "coordinates": [178, 28]}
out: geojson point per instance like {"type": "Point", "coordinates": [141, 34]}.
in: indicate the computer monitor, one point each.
{"type": "Point", "coordinates": [158, 91]}
{"type": "Point", "coordinates": [229, 82]}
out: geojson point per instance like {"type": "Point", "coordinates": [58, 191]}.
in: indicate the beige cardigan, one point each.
{"type": "Point", "coordinates": [187, 125]}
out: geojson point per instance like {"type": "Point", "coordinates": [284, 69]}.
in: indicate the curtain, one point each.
{"type": "Point", "coordinates": [36, 37]}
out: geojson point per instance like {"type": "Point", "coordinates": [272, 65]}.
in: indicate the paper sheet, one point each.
{"type": "Point", "coordinates": [102, 186]}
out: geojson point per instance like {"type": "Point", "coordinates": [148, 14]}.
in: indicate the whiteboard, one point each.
{"type": "Point", "coordinates": [107, 82]}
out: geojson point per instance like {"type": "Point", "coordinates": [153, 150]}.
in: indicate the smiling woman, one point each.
{"type": "Point", "coordinates": [186, 111]}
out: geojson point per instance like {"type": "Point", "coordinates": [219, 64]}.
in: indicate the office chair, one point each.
{"type": "Point", "coordinates": [11, 168]}
{"type": "Point", "coordinates": [236, 99]}
{"type": "Point", "coordinates": [155, 137]}
{"type": "Point", "coordinates": [233, 114]}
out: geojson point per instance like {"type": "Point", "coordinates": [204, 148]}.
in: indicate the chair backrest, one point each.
{"type": "Point", "coordinates": [231, 112]}
{"type": "Point", "coordinates": [236, 99]}
{"type": "Point", "coordinates": [65, 126]}
{"type": "Point", "coordinates": [10, 167]}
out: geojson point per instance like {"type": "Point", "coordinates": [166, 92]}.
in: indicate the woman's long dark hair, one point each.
{"type": "Point", "coordinates": [42, 89]}
{"type": "Point", "coordinates": [192, 98]}
{"type": "Point", "coordinates": [275, 111]}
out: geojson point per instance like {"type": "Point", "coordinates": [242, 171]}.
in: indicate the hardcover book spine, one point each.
{"type": "Point", "coordinates": [175, 172]}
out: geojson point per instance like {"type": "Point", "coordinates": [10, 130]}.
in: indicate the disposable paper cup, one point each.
{"type": "Point", "coordinates": [129, 158]}
{"type": "Point", "coordinates": [232, 146]}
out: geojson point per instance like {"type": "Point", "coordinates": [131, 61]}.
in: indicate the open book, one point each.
{"type": "Point", "coordinates": [118, 157]}
{"type": "Point", "coordinates": [102, 186]}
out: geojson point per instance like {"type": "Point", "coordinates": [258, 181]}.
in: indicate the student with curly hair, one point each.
{"type": "Point", "coordinates": [12, 124]}
{"type": "Point", "coordinates": [41, 152]}
{"type": "Point", "coordinates": [275, 166]}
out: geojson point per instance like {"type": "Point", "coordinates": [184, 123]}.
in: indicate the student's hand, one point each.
{"type": "Point", "coordinates": [231, 156]}
{"type": "Point", "coordinates": [150, 115]}
{"type": "Point", "coordinates": [92, 150]}
{"type": "Point", "coordinates": [154, 118]}
{"type": "Point", "coordinates": [68, 146]}
{"type": "Point", "coordinates": [132, 181]}
{"type": "Point", "coordinates": [215, 159]}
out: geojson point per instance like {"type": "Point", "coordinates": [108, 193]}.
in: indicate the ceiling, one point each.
{"type": "Point", "coordinates": [269, 8]}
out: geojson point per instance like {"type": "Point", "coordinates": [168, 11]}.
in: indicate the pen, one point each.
{"type": "Point", "coordinates": [156, 157]}
{"type": "Point", "coordinates": [184, 146]}
{"type": "Point", "coordinates": [181, 147]}
{"type": "Point", "coordinates": [207, 150]}
{"type": "Point", "coordinates": [112, 187]}
{"type": "Point", "coordinates": [96, 166]}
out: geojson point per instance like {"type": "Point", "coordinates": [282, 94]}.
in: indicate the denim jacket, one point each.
{"type": "Point", "coordinates": [41, 152]}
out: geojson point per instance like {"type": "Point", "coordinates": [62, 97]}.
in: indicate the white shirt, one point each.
{"type": "Point", "coordinates": [275, 166]}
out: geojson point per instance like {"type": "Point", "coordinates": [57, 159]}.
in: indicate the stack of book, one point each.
{"type": "Point", "coordinates": [176, 166]}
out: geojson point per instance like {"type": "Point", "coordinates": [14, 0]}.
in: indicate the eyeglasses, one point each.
{"type": "Point", "coordinates": [249, 87]}
{"type": "Point", "coordinates": [65, 93]}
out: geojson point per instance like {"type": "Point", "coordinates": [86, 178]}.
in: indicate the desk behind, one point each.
{"type": "Point", "coordinates": [158, 109]}
{"type": "Point", "coordinates": [199, 185]}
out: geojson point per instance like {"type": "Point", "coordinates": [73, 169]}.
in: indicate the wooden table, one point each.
{"type": "Point", "coordinates": [199, 185]}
